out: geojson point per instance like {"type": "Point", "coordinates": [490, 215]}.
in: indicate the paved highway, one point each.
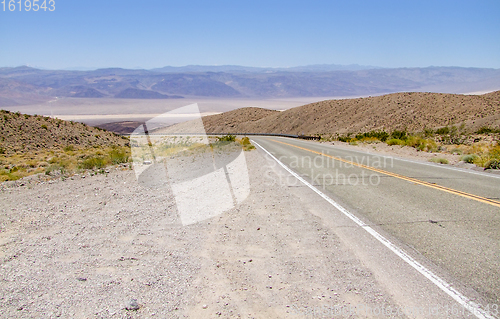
{"type": "Point", "coordinates": [447, 220]}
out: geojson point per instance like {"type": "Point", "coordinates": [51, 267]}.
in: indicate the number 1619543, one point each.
{"type": "Point", "coordinates": [28, 5]}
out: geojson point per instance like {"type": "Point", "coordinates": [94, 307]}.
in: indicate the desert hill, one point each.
{"type": "Point", "coordinates": [410, 111]}
{"type": "Point", "coordinates": [23, 133]}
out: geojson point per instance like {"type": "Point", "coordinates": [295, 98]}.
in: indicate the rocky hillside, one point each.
{"type": "Point", "coordinates": [410, 111]}
{"type": "Point", "coordinates": [24, 133]}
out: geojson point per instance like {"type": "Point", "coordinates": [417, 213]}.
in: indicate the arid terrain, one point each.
{"type": "Point", "coordinates": [86, 246]}
{"type": "Point", "coordinates": [401, 111]}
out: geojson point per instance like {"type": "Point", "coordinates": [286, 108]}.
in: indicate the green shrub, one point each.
{"type": "Point", "coordinates": [443, 130]}
{"type": "Point", "coordinates": [69, 148]}
{"type": "Point", "coordinates": [492, 164]}
{"type": "Point", "coordinates": [468, 158]}
{"type": "Point", "coordinates": [428, 132]}
{"type": "Point", "coordinates": [44, 126]}
{"type": "Point", "coordinates": [439, 160]}
{"type": "Point", "coordinates": [52, 168]}
{"type": "Point", "coordinates": [379, 135]}
{"type": "Point", "coordinates": [395, 141]}
{"type": "Point", "coordinates": [118, 156]}
{"type": "Point", "coordinates": [370, 140]}
{"type": "Point", "coordinates": [400, 135]}
{"type": "Point", "coordinates": [227, 138]}
{"type": "Point", "coordinates": [486, 130]}
{"type": "Point", "coordinates": [92, 162]}
{"type": "Point", "coordinates": [344, 138]}
{"type": "Point", "coordinates": [245, 141]}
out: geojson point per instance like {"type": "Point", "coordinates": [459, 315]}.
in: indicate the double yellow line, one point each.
{"type": "Point", "coordinates": [409, 179]}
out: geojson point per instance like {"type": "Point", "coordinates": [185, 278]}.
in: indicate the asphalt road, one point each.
{"type": "Point", "coordinates": [447, 219]}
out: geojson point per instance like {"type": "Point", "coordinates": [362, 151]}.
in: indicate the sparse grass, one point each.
{"type": "Point", "coordinates": [245, 143]}
{"type": "Point", "coordinates": [487, 130]}
{"type": "Point", "coordinates": [469, 158]}
{"type": "Point", "coordinates": [370, 140]}
{"type": "Point", "coordinates": [395, 141]}
{"type": "Point", "coordinates": [60, 161]}
{"type": "Point", "coordinates": [421, 144]}
{"type": "Point", "coordinates": [118, 155]}
{"type": "Point", "coordinates": [439, 160]}
{"type": "Point", "coordinates": [93, 161]}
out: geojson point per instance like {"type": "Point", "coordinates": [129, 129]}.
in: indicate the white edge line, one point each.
{"type": "Point", "coordinates": [465, 302]}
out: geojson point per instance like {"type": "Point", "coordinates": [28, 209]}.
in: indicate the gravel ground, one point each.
{"type": "Point", "coordinates": [105, 247]}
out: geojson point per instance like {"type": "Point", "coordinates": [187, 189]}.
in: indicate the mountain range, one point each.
{"type": "Point", "coordinates": [26, 85]}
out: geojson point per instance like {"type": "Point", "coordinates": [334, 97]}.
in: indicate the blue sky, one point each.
{"type": "Point", "coordinates": [150, 34]}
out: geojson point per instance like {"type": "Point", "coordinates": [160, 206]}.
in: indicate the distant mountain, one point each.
{"type": "Point", "coordinates": [240, 69]}
{"type": "Point", "coordinates": [26, 85]}
{"type": "Point", "coordinates": [131, 93]}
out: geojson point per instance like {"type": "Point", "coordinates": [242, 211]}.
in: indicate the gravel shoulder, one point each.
{"type": "Point", "coordinates": [85, 247]}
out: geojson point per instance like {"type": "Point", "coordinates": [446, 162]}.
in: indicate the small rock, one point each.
{"type": "Point", "coordinates": [81, 279]}
{"type": "Point", "coordinates": [205, 306]}
{"type": "Point", "coordinates": [132, 305]}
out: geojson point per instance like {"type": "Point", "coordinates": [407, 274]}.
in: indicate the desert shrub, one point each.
{"type": "Point", "coordinates": [353, 142]}
{"type": "Point", "coordinates": [482, 160]}
{"type": "Point", "coordinates": [69, 148]}
{"type": "Point", "coordinates": [344, 138]}
{"type": "Point", "coordinates": [395, 141]}
{"type": "Point", "coordinates": [421, 144]}
{"type": "Point", "coordinates": [379, 135]}
{"type": "Point", "coordinates": [428, 132]}
{"type": "Point", "coordinates": [468, 158]}
{"type": "Point", "coordinates": [486, 130]}
{"type": "Point", "coordinates": [495, 151]}
{"type": "Point", "coordinates": [492, 164]}
{"type": "Point", "coordinates": [413, 141]}
{"type": "Point", "coordinates": [44, 126]}
{"type": "Point", "coordinates": [370, 140]}
{"type": "Point", "coordinates": [443, 130]}
{"type": "Point", "coordinates": [456, 151]}
{"type": "Point", "coordinates": [245, 142]}
{"type": "Point", "coordinates": [2, 150]}
{"type": "Point", "coordinates": [226, 138]}
{"type": "Point", "coordinates": [439, 160]}
{"type": "Point", "coordinates": [118, 156]}
{"type": "Point", "coordinates": [53, 168]}
{"type": "Point", "coordinates": [400, 135]}
{"type": "Point", "coordinates": [92, 162]}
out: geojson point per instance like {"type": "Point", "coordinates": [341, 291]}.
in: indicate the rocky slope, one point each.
{"type": "Point", "coordinates": [410, 111]}
{"type": "Point", "coordinates": [22, 132]}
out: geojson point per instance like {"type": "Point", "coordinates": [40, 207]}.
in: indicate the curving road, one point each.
{"type": "Point", "coordinates": [446, 219]}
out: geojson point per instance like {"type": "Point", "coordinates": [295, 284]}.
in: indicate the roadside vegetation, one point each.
{"type": "Point", "coordinates": [61, 161]}
{"type": "Point", "coordinates": [34, 144]}
{"type": "Point", "coordinates": [481, 147]}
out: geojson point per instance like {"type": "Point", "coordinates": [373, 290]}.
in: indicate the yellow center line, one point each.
{"type": "Point", "coordinates": [410, 179]}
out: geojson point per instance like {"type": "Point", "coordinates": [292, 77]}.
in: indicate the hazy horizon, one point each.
{"type": "Point", "coordinates": [388, 34]}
